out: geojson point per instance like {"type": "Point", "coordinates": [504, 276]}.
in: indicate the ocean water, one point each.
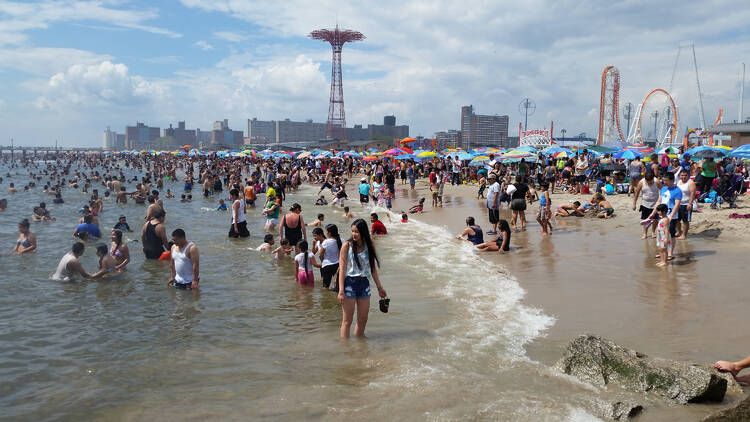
{"type": "Point", "coordinates": [251, 344]}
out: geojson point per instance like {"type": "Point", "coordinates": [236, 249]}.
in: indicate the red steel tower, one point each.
{"type": "Point", "coordinates": [336, 126]}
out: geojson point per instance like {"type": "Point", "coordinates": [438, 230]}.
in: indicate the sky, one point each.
{"type": "Point", "coordinates": [69, 69]}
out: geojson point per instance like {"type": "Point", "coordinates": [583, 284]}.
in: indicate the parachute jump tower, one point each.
{"type": "Point", "coordinates": [336, 125]}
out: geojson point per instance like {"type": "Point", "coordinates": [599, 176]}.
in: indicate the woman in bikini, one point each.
{"type": "Point", "coordinates": [119, 251]}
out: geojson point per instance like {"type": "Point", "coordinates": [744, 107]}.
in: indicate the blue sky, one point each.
{"type": "Point", "coordinates": [71, 68]}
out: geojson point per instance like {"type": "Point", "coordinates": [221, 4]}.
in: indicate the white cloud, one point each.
{"type": "Point", "coordinates": [230, 36]}
{"type": "Point", "coordinates": [95, 86]}
{"type": "Point", "coordinates": [19, 17]}
{"type": "Point", "coordinates": [43, 61]}
{"type": "Point", "coordinates": [431, 57]}
{"type": "Point", "coordinates": [203, 45]}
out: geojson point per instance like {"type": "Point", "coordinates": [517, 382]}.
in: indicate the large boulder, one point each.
{"type": "Point", "coordinates": [739, 413]}
{"type": "Point", "coordinates": [600, 362]}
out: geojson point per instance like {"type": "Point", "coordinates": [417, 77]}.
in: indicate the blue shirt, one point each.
{"type": "Point", "coordinates": [364, 189]}
{"type": "Point", "coordinates": [669, 196]}
{"type": "Point", "coordinates": [91, 229]}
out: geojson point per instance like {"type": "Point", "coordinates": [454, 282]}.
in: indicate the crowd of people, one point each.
{"type": "Point", "coordinates": [668, 191]}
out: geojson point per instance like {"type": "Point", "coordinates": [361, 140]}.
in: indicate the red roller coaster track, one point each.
{"type": "Point", "coordinates": [609, 103]}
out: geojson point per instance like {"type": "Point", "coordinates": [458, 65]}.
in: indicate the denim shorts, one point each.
{"type": "Point", "coordinates": [357, 287]}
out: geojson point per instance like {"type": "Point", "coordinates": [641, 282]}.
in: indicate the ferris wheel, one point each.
{"type": "Point", "coordinates": [659, 109]}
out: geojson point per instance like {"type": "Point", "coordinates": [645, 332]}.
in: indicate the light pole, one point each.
{"type": "Point", "coordinates": [563, 131]}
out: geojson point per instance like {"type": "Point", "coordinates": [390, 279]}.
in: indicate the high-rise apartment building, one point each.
{"type": "Point", "coordinates": [120, 142]}
{"type": "Point", "coordinates": [483, 130]}
{"type": "Point", "coordinates": [109, 140]}
{"type": "Point", "coordinates": [181, 135]}
{"type": "Point", "coordinates": [282, 131]}
{"type": "Point", "coordinates": [388, 129]}
{"type": "Point", "coordinates": [449, 138]}
{"type": "Point", "coordinates": [140, 136]}
{"type": "Point", "coordinates": [223, 136]}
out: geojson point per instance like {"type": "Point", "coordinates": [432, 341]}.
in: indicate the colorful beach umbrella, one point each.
{"type": "Point", "coordinates": [407, 141]}
{"type": "Point", "coordinates": [426, 154]}
{"type": "Point", "coordinates": [405, 157]}
{"type": "Point", "coordinates": [304, 154]}
{"type": "Point", "coordinates": [480, 161]}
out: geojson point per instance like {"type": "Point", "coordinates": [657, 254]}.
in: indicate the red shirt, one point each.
{"type": "Point", "coordinates": [379, 228]}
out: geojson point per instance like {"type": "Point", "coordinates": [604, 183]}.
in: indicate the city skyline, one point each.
{"type": "Point", "coordinates": [73, 68]}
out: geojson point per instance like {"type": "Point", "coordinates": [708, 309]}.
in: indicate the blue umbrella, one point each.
{"type": "Point", "coordinates": [404, 157]}
{"type": "Point", "coordinates": [628, 154]}
{"type": "Point", "coordinates": [465, 156]}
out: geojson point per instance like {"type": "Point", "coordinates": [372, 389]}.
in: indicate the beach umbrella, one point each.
{"type": "Point", "coordinates": [479, 161]}
{"type": "Point", "coordinates": [370, 158]}
{"type": "Point", "coordinates": [528, 148]}
{"type": "Point", "coordinates": [710, 153]}
{"type": "Point", "coordinates": [304, 154]}
{"type": "Point", "coordinates": [554, 150]}
{"type": "Point", "coordinates": [516, 154]}
{"type": "Point", "coordinates": [405, 157]}
{"type": "Point", "coordinates": [351, 154]}
{"type": "Point", "coordinates": [187, 146]}
{"type": "Point", "coordinates": [394, 151]}
{"type": "Point", "coordinates": [464, 156]}
{"type": "Point", "coordinates": [407, 141]}
{"type": "Point", "coordinates": [426, 154]}
{"type": "Point", "coordinates": [643, 149]}
{"type": "Point", "coordinates": [627, 154]}
{"type": "Point", "coordinates": [560, 154]}
{"type": "Point", "coordinates": [668, 150]}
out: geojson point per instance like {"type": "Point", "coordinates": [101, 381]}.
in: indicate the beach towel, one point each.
{"type": "Point", "coordinates": [735, 215]}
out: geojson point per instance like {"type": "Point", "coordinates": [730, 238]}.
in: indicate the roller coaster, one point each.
{"type": "Point", "coordinates": [657, 103]}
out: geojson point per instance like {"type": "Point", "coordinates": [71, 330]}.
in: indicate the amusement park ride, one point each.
{"type": "Point", "coordinates": [665, 134]}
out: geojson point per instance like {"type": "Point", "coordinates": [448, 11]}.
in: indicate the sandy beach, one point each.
{"type": "Point", "coordinates": [597, 276]}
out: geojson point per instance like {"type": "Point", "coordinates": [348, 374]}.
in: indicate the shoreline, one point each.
{"type": "Point", "coordinates": [597, 276]}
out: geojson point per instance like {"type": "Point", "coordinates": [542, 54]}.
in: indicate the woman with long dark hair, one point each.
{"type": "Point", "coordinates": [360, 261]}
{"type": "Point", "coordinates": [329, 254]}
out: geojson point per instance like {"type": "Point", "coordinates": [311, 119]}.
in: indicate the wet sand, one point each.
{"type": "Point", "coordinates": [597, 276]}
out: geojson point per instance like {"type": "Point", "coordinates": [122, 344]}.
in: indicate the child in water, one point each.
{"type": "Point", "coordinates": [222, 206]}
{"type": "Point", "coordinates": [404, 217]}
{"type": "Point", "coordinates": [303, 264]}
{"type": "Point", "coordinates": [282, 250]}
{"type": "Point", "coordinates": [663, 240]}
{"type": "Point", "coordinates": [417, 208]}
{"type": "Point", "coordinates": [347, 214]}
{"type": "Point", "coordinates": [267, 244]}
{"type": "Point", "coordinates": [544, 213]}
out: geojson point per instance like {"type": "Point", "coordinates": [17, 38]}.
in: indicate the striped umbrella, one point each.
{"type": "Point", "coordinates": [516, 154]}
{"type": "Point", "coordinates": [643, 149]}
{"type": "Point", "coordinates": [479, 161]}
